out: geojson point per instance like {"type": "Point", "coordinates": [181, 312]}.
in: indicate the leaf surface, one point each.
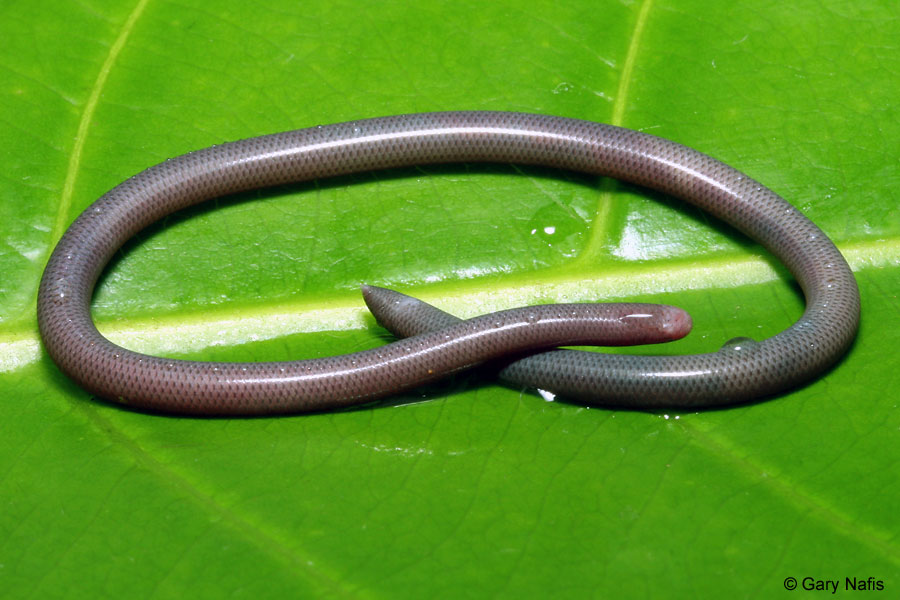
{"type": "Point", "coordinates": [465, 488]}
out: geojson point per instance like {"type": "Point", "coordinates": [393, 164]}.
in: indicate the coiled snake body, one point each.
{"type": "Point", "coordinates": [736, 373]}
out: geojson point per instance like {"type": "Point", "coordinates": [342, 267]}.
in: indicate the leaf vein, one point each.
{"type": "Point", "coordinates": [268, 542]}
{"type": "Point", "coordinates": [87, 117]}
{"type": "Point", "coordinates": [600, 228]}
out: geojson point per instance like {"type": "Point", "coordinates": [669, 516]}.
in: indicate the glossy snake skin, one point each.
{"type": "Point", "coordinates": [736, 373]}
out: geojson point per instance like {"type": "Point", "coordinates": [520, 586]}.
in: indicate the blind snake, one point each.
{"type": "Point", "coordinates": [735, 373]}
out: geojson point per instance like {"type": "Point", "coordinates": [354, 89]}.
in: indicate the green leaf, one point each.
{"type": "Point", "coordinates": [466, 488]}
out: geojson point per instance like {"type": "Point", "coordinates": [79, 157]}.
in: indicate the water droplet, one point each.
{"type": "Point", "coordinates": [563, 87]}
{"type": "Point", "coordinates": [546, 395]}
{"type": "Point", "coordinates": [739, 344]}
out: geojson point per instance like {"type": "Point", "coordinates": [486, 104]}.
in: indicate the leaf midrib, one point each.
{"type": "Point", "coordinates": [19, 343]}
